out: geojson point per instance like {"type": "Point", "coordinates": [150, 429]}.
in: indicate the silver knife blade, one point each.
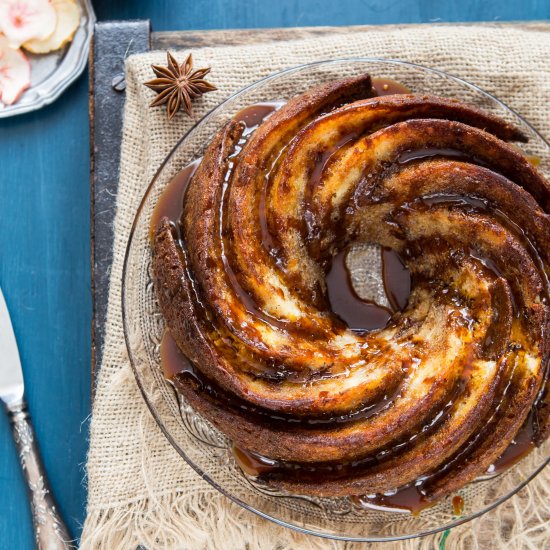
{"type": "Point", "coordinates": [12, 385]}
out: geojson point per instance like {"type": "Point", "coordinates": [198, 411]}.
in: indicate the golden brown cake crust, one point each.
{"type": "Point", "coordinates": [443, 389]}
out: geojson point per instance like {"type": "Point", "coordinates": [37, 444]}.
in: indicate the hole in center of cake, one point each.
{"type": "Point", "coordinates": [366, 285]}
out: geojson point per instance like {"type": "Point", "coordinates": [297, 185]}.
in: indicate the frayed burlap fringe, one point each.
{"type": "Point", "coordinates": [182, 521]}
{"type": "Point", "coordinates": [209, 521]}
{"type": "Point", "coordinates": [140, 490]}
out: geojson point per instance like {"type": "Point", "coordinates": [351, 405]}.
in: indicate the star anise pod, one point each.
{"type": "Point", "coordinates": [178, 84]}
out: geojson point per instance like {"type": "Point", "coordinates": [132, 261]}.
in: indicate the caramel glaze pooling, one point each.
{"type": "Point", "coordinates": [366, 315]}
{"type": "Point", "coordinates": [432, 394]}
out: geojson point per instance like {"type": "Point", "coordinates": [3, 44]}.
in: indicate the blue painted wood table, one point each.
{"type": "Point", "coordinates": [45, 228]}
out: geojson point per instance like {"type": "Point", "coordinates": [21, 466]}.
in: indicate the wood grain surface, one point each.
{"type": "Point", "coordinates": [235, 37]}
{"type": "Point", "coordinates": [45, 228]}
{"type": "Point", "coordinates": [112, 43]}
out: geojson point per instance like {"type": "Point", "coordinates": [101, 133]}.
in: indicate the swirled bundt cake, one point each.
{"type": "Point", "coordinates": [441, 388]}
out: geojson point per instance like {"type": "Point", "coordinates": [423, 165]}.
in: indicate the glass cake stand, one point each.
{"type": "Point", "coordinates": [201, 445]}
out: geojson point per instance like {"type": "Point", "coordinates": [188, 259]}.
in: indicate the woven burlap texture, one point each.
{"type": "Point", "coordinates": [140, 491]}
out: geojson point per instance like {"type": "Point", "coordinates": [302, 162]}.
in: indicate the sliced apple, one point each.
{"type": "Point", "coordinates": [22, 20]}
{"type": "Point", "coordinates": [15, 72]}
{"type": "Point", "coordinates": [68, 19]}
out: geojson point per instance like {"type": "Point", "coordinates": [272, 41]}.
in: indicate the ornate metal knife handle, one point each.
{"type": "Point", "coordinates": [50, 530]}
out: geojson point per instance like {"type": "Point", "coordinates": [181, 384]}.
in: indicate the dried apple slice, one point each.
{"type": "Point", "coordinates": [22, 20]}
{"type": "Point", "coordinates": [15, 72]}
{"type": "Point", "coordinates": [68, 19]}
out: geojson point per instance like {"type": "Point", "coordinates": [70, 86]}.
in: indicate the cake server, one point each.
{"type": "Point", "coordinates": [50, 530]}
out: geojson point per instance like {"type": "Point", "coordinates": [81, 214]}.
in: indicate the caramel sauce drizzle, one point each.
{"type": "Point", "coordinates": [360, 315]}
{"type": "Point", "coordinates": [406, 499]}
{"type": "Point", "coordinates": [365, 315]}
{"type": "Point", "coordinates": [458, 505]}
{"type": "Point", "coordinates": [387, 86]}
{"type": "Point", "coordinates": [170, 203]}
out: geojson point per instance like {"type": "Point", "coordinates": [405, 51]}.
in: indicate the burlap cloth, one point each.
{"type": "Point", "coordinates": [140, 491]}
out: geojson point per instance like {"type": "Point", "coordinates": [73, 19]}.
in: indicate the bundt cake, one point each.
{"type": "Point", "coordinates": [432, 392]}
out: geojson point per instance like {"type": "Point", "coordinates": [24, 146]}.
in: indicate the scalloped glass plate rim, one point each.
{"type": "Point", "coordinates": [198, 470]}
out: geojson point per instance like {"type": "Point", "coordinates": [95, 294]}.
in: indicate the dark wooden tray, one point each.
{"type": "Point", "coordinates": [112, 43]}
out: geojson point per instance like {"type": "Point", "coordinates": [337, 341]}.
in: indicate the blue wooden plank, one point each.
{"type": "Point", "coordinates": [44, 228]}
{"type": "Point", "coordinates": [223, 14]}
{"type": "Point", "coordinates": [45, 275]}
